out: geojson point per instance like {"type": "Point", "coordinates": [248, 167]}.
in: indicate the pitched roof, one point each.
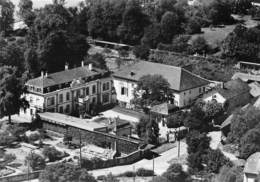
{"type": "Point", "coordinates": [179, 78]}
{"type": "Point", "coordinates": [231, 89]}
{"type": "Point", "coordinates": [64, 76]}
{"type": "Point", "coordinates": [253, 164]}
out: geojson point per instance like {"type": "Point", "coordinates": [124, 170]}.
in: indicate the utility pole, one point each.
{"type": "Point", "coordinates": [153, 166]}
{"type": "Point", "coordinates": [134, 173]}
{"type": "Point", "coordinates": [80, 144]}
{"type": "Point", "coordinates": [179, 140]}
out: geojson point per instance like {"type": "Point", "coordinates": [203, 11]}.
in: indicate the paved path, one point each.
{"type": "Point", "coordinates": [161, 163]}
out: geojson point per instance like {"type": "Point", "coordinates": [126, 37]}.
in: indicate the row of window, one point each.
{"type": "Point", "coordinates": [200, 91]}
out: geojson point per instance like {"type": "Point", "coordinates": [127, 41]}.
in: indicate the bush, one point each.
{"type": "Point", "coordinates": [128, 174]}
{"type": "Point", "coordinates": [141, 51]}
{"type": "Point", "coordinates": [33, 137]}
{"type": "Point", "coordinates": [144, 172]}
{"type": "Point", "coordinates": [35, 161]}
{"type": "Point", "coordinates": [52, 154]}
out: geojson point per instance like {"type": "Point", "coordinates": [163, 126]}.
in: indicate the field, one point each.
{"type": "Point", "coordinates": [217, 34]}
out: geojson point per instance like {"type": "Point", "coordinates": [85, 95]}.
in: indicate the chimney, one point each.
{"type": "Point", "coordinates": [90, 66]}
{"type": "Point", "coordinates": [42, 74]}
{"type": "Point", "coordinates": [66, 66]}
{"type": "Point", "coordinates": [46, 74]}
{"type": "Point", "coordinates": [82, 63]}
{"type": "Point", "coordinates": [132, 73]}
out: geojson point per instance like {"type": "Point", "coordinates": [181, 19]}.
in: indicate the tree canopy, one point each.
{"type": "Point", "coordinates": [6, 16]}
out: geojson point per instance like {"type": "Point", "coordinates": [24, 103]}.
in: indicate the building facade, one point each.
{"type": "Point", "coordinates": [66, 91]}
{"type": "Point", "coordinates": [185, 86]}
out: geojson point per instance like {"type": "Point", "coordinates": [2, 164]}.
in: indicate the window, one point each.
{"type": "Point", "coordinates": [203, 89]}
{"type": "Point", "coordinates": [61, 109]}
{"type": "Point", "coordinates": [184, 93]}
{"type": "Point", "coordinates": [124, 91]}
{"type": "Point", "coordinates": [105, 98]}
{"type": "Point", "coordinates": [77, 93]}
{"type": "Point", "coordinates": [93, 89]}
{"type": "Point", "coordinates": [67, 96]}
{"type": "Point", "coordinates": [31, 112]}
{"type": "Point", "coordinates": [190, 91]}
{"type": "Point", "coordinates": [199, 90]}
{"type": "Point", "coordinates": [38, 90]}
{"type": "Point", "coordinates": [61, 98]}
{"type": "Point", "coordinates": [105, 86]}
{"type": "Point", "coordinates": [31, 99]}
{"type": "Point", "coordinates": [94, 100]}
{"type": "Point", "coordinates": [87, 90]}
{"type": "Point", "coordinates": [67, 109]}
{"type": "Point", "coordinates": [50, 101]}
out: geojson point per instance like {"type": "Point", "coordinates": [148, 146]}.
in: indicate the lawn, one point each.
{"type": "Point", "coordinates": [217, 34]}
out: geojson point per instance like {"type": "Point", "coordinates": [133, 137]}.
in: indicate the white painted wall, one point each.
{"type": "Point", "coordinates": [118, 84]}
{"type": "Point", "coordinates": [219, 98]}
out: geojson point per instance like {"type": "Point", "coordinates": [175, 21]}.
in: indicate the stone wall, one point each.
{"type": "Point", "coordinates": [105, 140]}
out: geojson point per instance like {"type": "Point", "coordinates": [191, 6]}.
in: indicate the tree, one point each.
{"type": "Point", "coordinates": [214, 110]}
{"type": "Point", "coordinates": [134, 21]}
{"type": "Point", "coordinates": [193, 26]}
{"type": "Point", "coordinates": [35, 161]}
{"type": "Point", "coordinates": [54, 42]}
{"type": "Point", "coordinates": [63, 172]}
{"type": "Point", "coordinates": [230, 174]}
{"type": "Point", "coordinates": [199, 45]}
{"type": "Point", "coordinates": [11, 90]}
{"type": "Point", "coordinates": [148, 130]}
{"type": "Point", "coordinates": [52, 154]}
{"type": "Point", "coordinates": [175, 173]}
{"type": "Point", "coordinates": [241, 122]}
{"type": "Point", "coordinates": [154, 88]}
{"type": "Point", "coordinates": [26, 11]}
{"type": "Point", "coordinates": [214, 160]}
{"type": "Point", "coordinates": [110, 178]}
{"type": "Point", "coordinates": [249, 143]}
{"type": "Point", "coordinates": [219, 11]}
{"type": "Point", "coordinates": [152, 35]}
{"type": "Point", "coordinates": [175, 120]}
{"type": "Point", "coordinates": [170, 26]}
{"type": "Point", "coordinates": [241, 6]}
{"type": "Point", "coordinates": [198, 145]}
{"type": "Point", "coordinates": [242, 43]}
{"type": "Point", "coordinates": [6, 16]}
{"type": "Point", "coordinates": [141, 52]}
{"type": "Point", "coordinates": [180, 43]}
{"type": "Point", "coordinates": [97, 60]}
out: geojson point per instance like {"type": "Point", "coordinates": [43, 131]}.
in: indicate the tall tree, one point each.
{"type": "Point", "coordinates": [170, 26]}
{"type": "Point", "coordinates": [175, 173]}
{"type": "Point", "coordinates": [6, 16]}
{"type": "Point", "coordinates": [11, 90]}
{"type": "Point", "coordinates": [154, 89]}
{"type": "Point", "coordinates": [152, 35]}
{"type": "Point", "coordinates": [134, 21]}
{"type": "Point", "coordinates": [148, 129]}
{"type": "Point", "coordinates": [26, 11]}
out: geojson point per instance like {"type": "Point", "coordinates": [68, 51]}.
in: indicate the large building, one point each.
{"type": "Point", "coordinates": [66, 90]}
{"type": "Point", "coordinates": [185, 85]}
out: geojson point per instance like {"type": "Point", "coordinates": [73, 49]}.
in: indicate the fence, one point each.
{"type": "Point", "coordinates": [21, 177]}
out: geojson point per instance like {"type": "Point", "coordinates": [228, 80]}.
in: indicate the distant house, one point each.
{"type": "Point", "coordinates": [185, 85]}
{"type": "Point", "coordinates": [252, 168]}
{"type": "Point", "coordinates": [233, 94]}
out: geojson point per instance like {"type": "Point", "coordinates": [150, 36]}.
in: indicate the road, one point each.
{"type": "Point", "coordinates": [161, 163]}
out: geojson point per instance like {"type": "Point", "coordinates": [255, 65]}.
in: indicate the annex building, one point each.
{"type": "Point", "coordinates": [185, 85]}
{"type": "Point", "coordinates": [65, 91]}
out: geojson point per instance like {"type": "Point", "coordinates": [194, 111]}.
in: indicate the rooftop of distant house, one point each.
{"type": "Point", "coordinates": [180, 79]}
{"type": "Point", "coordinates": [230, 89]}
{"type": "Point", "coordinates": [246, 76]}
{"type": "Point", "coordinates": [82, 74]}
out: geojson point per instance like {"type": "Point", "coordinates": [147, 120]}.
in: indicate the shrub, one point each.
{"type": "Point", "coordinates": [35, 161]}
{"type": "Point", "coordinates": [141, 51]}
{"type": "Point", "coordinates": [33, 137]}
{"type": "Point", "coordinates": [144, 172]}
{"type": "Point", "coordinates": [128, 174]}
{"type": "Point", "coordinates": [52, 154]}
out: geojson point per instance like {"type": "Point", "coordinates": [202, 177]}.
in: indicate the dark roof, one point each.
{"type": "Point", "coordinates": [164, 108]}
{"type": "Point", "coordinates": [179, 78]}
{"type": "Point", "coordinates": [64, 76]}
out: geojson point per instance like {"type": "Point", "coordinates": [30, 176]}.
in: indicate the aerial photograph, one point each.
{"type": "Point", "coordinates": [129, 90]}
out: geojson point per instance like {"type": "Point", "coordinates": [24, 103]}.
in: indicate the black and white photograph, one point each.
{"type": "Point", "coordinates": [129, 90]}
